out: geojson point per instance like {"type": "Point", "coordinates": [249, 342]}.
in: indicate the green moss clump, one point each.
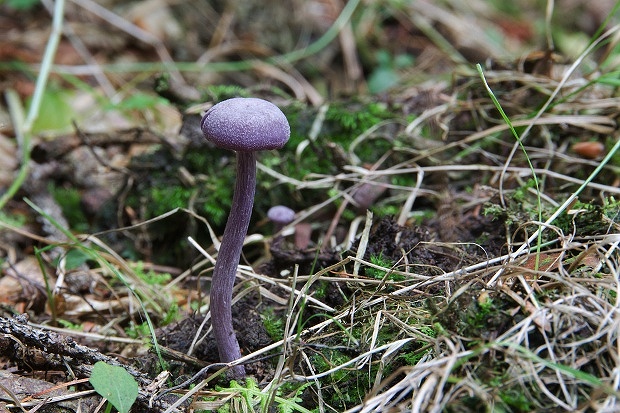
{"type": "Point", "coordinates": [345, 387]}
{"type": "Point", "coordinates": [384, 262]}
{"type": "Point", "coordinates": [217, 93]}
{"type": "Point", "coordinates": [69, 200]}
{"type": "Point", "coordinates": [167, 198]}
{"type": "Point", "coordinates": [274, 325]}
{"type": "Point", "coordinates": [158, 186]}
{"type": "Point", "coordinates": [477, 317]}
{"type": "Point", "coordinates": [344, 122]}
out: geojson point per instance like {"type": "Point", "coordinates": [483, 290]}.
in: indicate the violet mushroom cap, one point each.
{"type": "Point", "coordinates": [280, 215]}
{"type": "Point", "coordinates": [244, 125]}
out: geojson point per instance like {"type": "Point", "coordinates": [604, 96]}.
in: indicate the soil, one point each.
{"type": "Point", "coordinates": [251, 334]}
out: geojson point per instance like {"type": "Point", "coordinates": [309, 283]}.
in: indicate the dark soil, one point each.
{"type": "Point", "coordinates": [251, 334]}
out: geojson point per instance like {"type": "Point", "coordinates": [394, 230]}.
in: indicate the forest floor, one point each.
{"type": "Point", "coordinates": [454, 168]}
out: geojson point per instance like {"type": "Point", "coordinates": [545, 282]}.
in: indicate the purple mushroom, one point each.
{"type": "Point", "coordinates": [244, 125]}
{"type": "Point", "coordinates": [280, 215]}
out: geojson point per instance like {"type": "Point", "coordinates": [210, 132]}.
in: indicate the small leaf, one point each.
{"type": "Point", "coordinates": [115, 385]}
{"type": "Point", "coordinates": [140, 101]}
{"type": "Point", "coordinates": [75, 258]}
{"type": "Point", "coordinates": [381, 79]}
{"type": "Point", "coordinates": [55, 112]}
{"type": "Point", "coordinates": [404, 60]}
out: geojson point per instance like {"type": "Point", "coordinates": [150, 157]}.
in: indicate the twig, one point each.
{"type": "Point", "coordinates": [79, 357]}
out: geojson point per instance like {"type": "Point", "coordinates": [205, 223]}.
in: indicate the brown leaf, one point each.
{"type": "Point", "coordinates": [589, 150]}
{"type": "Point", "coordinates": [23, 283]}
{"type": "Point", "coordinates": [544, 261]}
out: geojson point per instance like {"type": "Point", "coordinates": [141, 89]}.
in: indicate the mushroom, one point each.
{"type": "Point", "coordinates": [244, 125]}
{"type": "Point", "coordinates": [280, 215]}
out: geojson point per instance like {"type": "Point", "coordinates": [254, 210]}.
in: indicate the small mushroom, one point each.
{"type": "Point", "coordinates": [244, 125]}
{"type": "Point", "coordinates": [281, 216]}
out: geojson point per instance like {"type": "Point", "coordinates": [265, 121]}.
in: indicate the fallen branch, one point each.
{"type": "Point", "coordinates": [18, 337]}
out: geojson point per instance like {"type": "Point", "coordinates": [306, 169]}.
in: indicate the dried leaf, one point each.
{"type": "Point", "coordinates": [589, 150]}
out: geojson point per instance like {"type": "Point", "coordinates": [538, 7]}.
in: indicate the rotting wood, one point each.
{"type": "Point", "coordinates": [17, 333]}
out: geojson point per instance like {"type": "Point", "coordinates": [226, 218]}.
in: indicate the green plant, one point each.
{"type": "Point", "coordinates": [413, 357]}
{"type": "Point", "coordinates": [350, 120]}
{"type": "Point", "coordinates": [69, 325]}
{"type": "Point", "coordinates": [320, 289]}
{"type": "Point", "coordinates": [171, 315]}
{"type": "Point", "coordinates": [24, 125]}
{"type": "Point", "coordinates": [13, 220]}
{"type": "Point", "coordinates": [485, 307]}
{"type": "Point", "coordinates": [69, 201]}
{"type": "Point", "coordinates": [137, 330]}
{"type": "Point", "coordinates": [345, 386]}
{"type": "Point", "coordinates": [151, 277]}
{"type": "Point", "coordinates": [137, 101]}
{"type": "Point", "coordinates": [326, 360]}
{"type": "Point", "coordinates": [379, 274]}
{"type": "Point", "coordinates": [143, 296]}
{"type": "Point", "coordinates": [273, 324]}
{"type": "Point", "coordinates": [516, 400]}
{"type": "Point", "coordinates": [114, 384]}
{"type": "Point", "coordinates": [250, 397]}
{"type": "Point", "coordinates": [222, 92]}
{"type": "Point", "coordinates": [167, 198]}
{"type": "Point", "coordinates": [385, 75]}
{"type": "Point", "coordinates": [56, 112]}
{"type": "Point", "coordinates": [519, 136]}
{"type": "Point", "coordinates": [611, 208]}
{"type": "Point", "coordinates": [21, 4]}
{"type": "Point", "coordinates": [218, 202]}
{"type": "Point", "coordinates": [74, 258]}
{"type": "Point", "coordinates": [588, 217]}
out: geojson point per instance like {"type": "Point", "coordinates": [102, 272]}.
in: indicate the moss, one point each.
{"type": "Point", "coordinates": [320, 291]}
{"type": "Point", "coordinates": [345, 387]}
{"type": "Point", "coordinates": [588, 217]}
{"type": "Point", "coordinates": [167, 198]}
{"type": "Point", "coordinates": [475, 314]}
{"type": "Point", "coordinates": [158, 187]}
{"type": "Point", "coordinates": [151, 277]}
{"type": "Point", "coordinates": [521, 214]}
{"type": "Point", "coordinates": [344, 122]}
{"type": "Point", "coordinates": [69, 200]}
{"type": "Point", "coordinates": [274, 325]}
{"type": "Point", "coordinates": [217, 93]}
{"type": "Point", "coordinates": [382, 261]}
{"type": "Point", "coordinates": [516, 400]}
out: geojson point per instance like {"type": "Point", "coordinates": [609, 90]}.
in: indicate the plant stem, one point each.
{"type": "Point", "coordinates": [227, 260]}
{"type": "Point", "coordinates": [24, 130]}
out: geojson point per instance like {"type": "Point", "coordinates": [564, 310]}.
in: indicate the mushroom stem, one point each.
{"type": "Point", "coordinates": [244, 125]}
{"type": "Point", "coordinates": [225, 270]}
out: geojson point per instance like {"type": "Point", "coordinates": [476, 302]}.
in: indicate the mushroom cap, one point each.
{"type": "Point", "coordinates": [246, 124]}
{"type": "Point", "coordinates": [281, 214]}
